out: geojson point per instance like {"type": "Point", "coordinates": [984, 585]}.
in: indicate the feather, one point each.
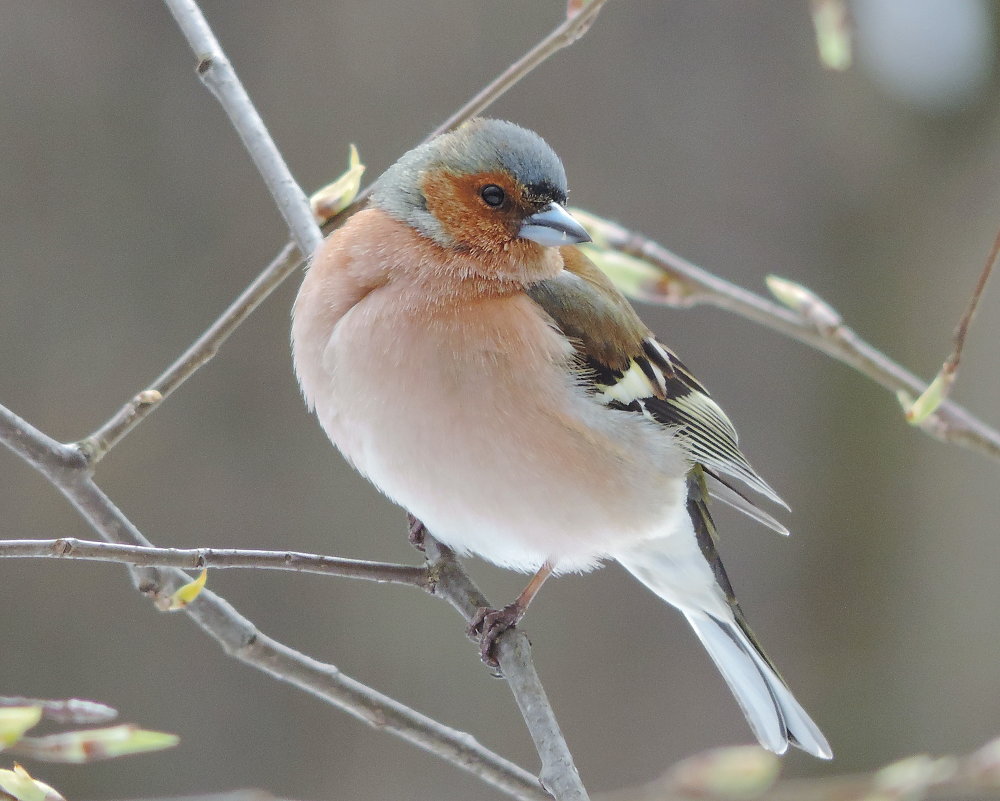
{"type": "Point", "coordinates": [684, 569]}
{"type": "Point", "coordinates": [729, 495]}
{"type": "Point", "coordinates": [629, 369]}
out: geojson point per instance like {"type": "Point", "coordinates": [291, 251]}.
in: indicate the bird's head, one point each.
{"type": "Point", "coordinates": [483, 188]}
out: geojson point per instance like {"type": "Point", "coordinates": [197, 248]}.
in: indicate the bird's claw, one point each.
{"type": "Point", "coordinates": [488, 624]}
{"type": "Point", "coordinates": [416, 532]}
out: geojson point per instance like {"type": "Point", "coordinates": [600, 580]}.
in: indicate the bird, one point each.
{"type": "Point", "coordinates": [464, 354]}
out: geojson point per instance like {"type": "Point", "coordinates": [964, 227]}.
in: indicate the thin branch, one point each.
{"type": "Point", "coordinates": [217, 73]}
{"type": "Point", "coordinates": [201, 351]}
{"type": "Point", "coordinates": [448, 580]}
{"type": "Point", "coordinates": [217, 558]}
{"type": "Point", "coordinates": [563, 35]}
{"type": "Point", "coordinates": [66, 466]}
{"type": "Point", "coordinates": [930, 400]}
{"type": "Point", "coordinates": [952, 362]}
{"type": "Point", "coordinates": [558, 773]}
{"type": "Point", "coordinates": [219, 76]}
{"type": "Point", "coordinates": [37, 449]}
{"type": "Point", "coordinates": [95, 446]}
{"type": "Point", "coordinates": [747, 772]}
{"type": "Point", "coordinates": [239, 638]}
{"type": "Point", "coordinates": [684, 284]}
{"type": "Point", "coordinates": [65, 710]}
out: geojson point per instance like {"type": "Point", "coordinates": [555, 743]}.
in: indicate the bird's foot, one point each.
{"type": "Point", "coordinates": [416, 533]}
{"type": "Point", "coordinates": [488, 624]}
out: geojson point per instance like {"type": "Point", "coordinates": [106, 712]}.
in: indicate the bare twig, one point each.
{"type": "Point", "coordinates": [930, 400]}
{"type": "Point", "coordinates": [681, 283]}
{"type": "Point", "coordinates": [97, 445]}
{"type": "Point", "coordinates": [218, 558]}
{"type": "Point", "coordinates": [69, 467]}
{"type": "Point", "coordinates": [746, 772]}
{"type": "Point", "coordinates": [443, 576]}
{"type": "Point", "coordinates": [219, 76]}
{"type": "Point", "coordinates": [558, 773]}
{"type": "Point", "coordinates": [566, 33]}
{"type": "Point", "coordinates": [952, 362]}
{"type": "Point", "coordinates": [239, 638]}
{"type": "Point", "coordinates": [65, 710]}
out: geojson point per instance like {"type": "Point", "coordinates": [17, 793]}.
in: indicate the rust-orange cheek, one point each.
{"type": "Point", "coordinates": [454, 200]}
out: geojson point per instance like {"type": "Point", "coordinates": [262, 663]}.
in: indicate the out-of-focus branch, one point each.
{"type": "Point", "coordinates": [248, 794]}
{"type": "Point", "coordinates": [917, 411]}
{"type": "Point", "coordinates": [218, 558]}
{"type": "Point", "coordinates": [65, 710]}
{"type": "Point", "coordinates": [748, 772]}
{"type": "Point", "coordinates": [664, 277]}
{"type": "Point", "coordinates": [962, 330]}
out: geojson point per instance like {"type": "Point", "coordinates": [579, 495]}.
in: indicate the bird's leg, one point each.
{"type": "Point", "coordinates": [416, 533]}
{"type": "Point", "coordinates": [488, 624]}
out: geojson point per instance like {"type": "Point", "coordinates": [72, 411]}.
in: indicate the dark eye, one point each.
{"type": "Point", "coordinates": [492, 195]}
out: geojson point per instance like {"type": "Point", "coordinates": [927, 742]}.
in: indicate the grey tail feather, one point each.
{"type": "Point", "coordinates": [723, 490]}
{"type": "Point", "coordinates": [774, 715]}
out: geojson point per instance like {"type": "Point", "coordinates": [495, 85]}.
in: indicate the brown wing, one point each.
{"type": "Point", "coordinates": [630, 370]}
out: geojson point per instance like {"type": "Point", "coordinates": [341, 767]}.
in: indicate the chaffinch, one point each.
{"type": "Point", "coordinates": [468, 359]}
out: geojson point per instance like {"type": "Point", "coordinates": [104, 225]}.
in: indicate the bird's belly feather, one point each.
{"type": "Point", "coordinates": [481, 433]}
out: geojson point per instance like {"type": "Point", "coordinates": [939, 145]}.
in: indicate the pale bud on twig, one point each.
{"type": "Point", "coordinates": [806, 303]}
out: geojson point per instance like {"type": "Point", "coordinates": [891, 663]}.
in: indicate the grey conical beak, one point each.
{"type": "Point", "coordinates": [553, 227]}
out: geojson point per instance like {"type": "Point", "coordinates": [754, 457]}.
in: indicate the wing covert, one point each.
{"type": "Point", "coordinates": [630, 370]}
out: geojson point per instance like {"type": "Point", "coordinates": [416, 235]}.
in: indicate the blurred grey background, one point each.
{"type": "Point", "coordinates": [131, 217]}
